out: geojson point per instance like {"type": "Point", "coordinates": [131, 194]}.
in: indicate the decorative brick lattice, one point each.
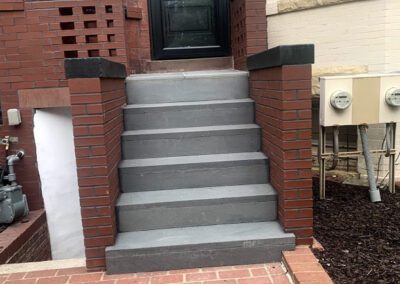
{"type": "Point", "coordinates": [248, 30]}
{"type": "Point", "coordinates": [92, 30]}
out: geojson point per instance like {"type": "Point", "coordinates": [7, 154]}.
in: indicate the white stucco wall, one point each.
{"type": "Point", "coordinates": [57, 168]}
{"type": "Point", "coordinates": [349, 37]}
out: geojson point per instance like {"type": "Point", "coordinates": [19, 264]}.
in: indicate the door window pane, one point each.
{"type": "Point", "coordinates": [189, 23]}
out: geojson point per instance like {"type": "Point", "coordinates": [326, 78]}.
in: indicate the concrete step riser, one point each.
{"type": "Point", "coordinates": [246, 252]}
{"type": "Point", "coordinates": [187, 65]}
{"type": "Point", "coordinates": [185, 116]}
{"type": "Point", "coordinates": [182, 88]}
{"type": "Point", "coordinates": [193, 175]}
{"type": "Point", "coordinates": [201, 246]}
{"type": "Point", "coordinates": [186, 144]}
{"type": "Point", "coordinates": [187, 214]}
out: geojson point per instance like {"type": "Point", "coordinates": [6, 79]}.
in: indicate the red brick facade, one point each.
{"type": "Point", "coordinates": [35, 38]}
{"type": "Point", "coordinates": [283, 110]}
{"type": "Point", "coordinates": [37, 35]}
{"type": "Point", "coordinates": [248, 30]}
{"type": "Point", "coordinates": [96, 106]}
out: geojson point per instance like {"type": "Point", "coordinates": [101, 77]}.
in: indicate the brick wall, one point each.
{"type": "Point", "coordinates": [282, 95]}
{"type": "Point", "coordinates": [35, 37]}
{"type": "Point", "coordinates": [137, 34]}
{"type": "Point", "coordinates": [12, 5]}
{"type": "Point", "coordinates": [248, 30]}
{"type": "Point", "coordinates": [26, 242]}
{"type": "Point", "coordinates": [96, 107]}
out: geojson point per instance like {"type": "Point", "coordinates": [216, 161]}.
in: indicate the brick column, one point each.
{"type": "Point", "coordinates": [280, 84]}
{"type": "Point", "coordinates": [97, 89]}
{"type": "Point", "coordinates": [248, 29]}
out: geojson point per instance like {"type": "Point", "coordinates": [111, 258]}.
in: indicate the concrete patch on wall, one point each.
{"type": "Point", "coordinates": [272, 7]}
{"type": "Point", "coordinates": [57, 168]}
{"type": "Point", "coordinates": [334, 71]}
{"type": "Point", "coordinates": [287, 6]}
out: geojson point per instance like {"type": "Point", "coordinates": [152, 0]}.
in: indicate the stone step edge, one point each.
{"type": "Point", "coordinates": [198, 196]}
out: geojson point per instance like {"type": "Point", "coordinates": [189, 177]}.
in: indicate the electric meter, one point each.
{"type": "Point", "coordinates": [341, 100]}
{"type": "Point", "coordinates": [393, 97]}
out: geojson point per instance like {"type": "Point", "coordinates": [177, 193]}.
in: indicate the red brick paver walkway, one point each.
{"type": "Point", "coordinates": [304, 267]}
{"type": "Point", "coordinates": [248, 274]}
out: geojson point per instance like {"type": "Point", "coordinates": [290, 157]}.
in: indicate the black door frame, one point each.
{"type": "Point", "coordinates": [223, 35]}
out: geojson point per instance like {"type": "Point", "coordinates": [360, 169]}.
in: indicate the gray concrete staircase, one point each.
{"type": "Point", "coordinates": [194, 183]}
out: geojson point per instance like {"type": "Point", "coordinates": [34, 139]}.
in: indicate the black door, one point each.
{"type": "Point", "coordinates": [189, 28]}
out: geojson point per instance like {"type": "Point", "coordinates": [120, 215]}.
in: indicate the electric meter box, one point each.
{"type": "Point", "coordinates": [332, 93]}
{"type": "Point", "coordinates": [360, 99]}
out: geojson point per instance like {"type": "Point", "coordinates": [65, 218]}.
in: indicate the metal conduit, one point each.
{"type": "Point", "coordinates": [374, 193]}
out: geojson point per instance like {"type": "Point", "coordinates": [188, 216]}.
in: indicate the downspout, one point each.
{"type": "Point", "coordinates": [374, 193]}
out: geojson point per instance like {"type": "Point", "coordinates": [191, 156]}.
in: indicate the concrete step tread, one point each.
{"type": "Point", "coordinates": [198, 159]}
{"type": "Point", "coordinates": [183, 130]}
{"type": "Point", "coordinates": [214, 234]}
{"type": "Point", "coordinates": [188, 75]}
{"type": "Point", "coordinates": [187, 104]}
{"type": "Point", "coordinates": [218, 193]}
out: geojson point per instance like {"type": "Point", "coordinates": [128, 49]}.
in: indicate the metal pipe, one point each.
{"type": "Point", "coordinates": [10, 161]}
{"type": "Point", "coordinates": [392, 158]}
{"type": "Point", "coordinates": [322, 164]}
{"type": "Point", "coordinates": [388, 138]}
{"type": "Point", "coordinates": [356, 153]}
{"type": "Point", "coordinates": [335, 148]}
{"type": "Point", "coordinates": [374, 193]}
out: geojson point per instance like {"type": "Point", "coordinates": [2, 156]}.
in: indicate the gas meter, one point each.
{"type": "Point", "coordinates": [392, 97]}
{"type": "Point", "coordinates": [13, 203]}
{"type": "Point", "coordinates": [340, 100]}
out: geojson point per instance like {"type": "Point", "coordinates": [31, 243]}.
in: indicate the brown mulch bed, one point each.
{"type": "Point", "coordinates": [361, 239]}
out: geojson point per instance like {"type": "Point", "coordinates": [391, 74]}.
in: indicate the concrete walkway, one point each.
{"type": "Point", "coordinates": [272, 273]}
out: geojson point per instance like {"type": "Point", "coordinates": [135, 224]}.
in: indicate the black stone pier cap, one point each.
{"type": "Point", "coordinates": [282, 55]}
{"type": "Point", "coordinates": [94, 67]}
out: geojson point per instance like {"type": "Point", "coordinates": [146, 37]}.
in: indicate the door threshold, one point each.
{"type": "Point", "coordinates": [186, 65]}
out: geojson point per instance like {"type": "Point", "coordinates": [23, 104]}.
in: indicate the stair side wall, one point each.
{"type": "Point", "coordinates": [97, 116]}
{"type": "Point", "coordinates": [281, 88]}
